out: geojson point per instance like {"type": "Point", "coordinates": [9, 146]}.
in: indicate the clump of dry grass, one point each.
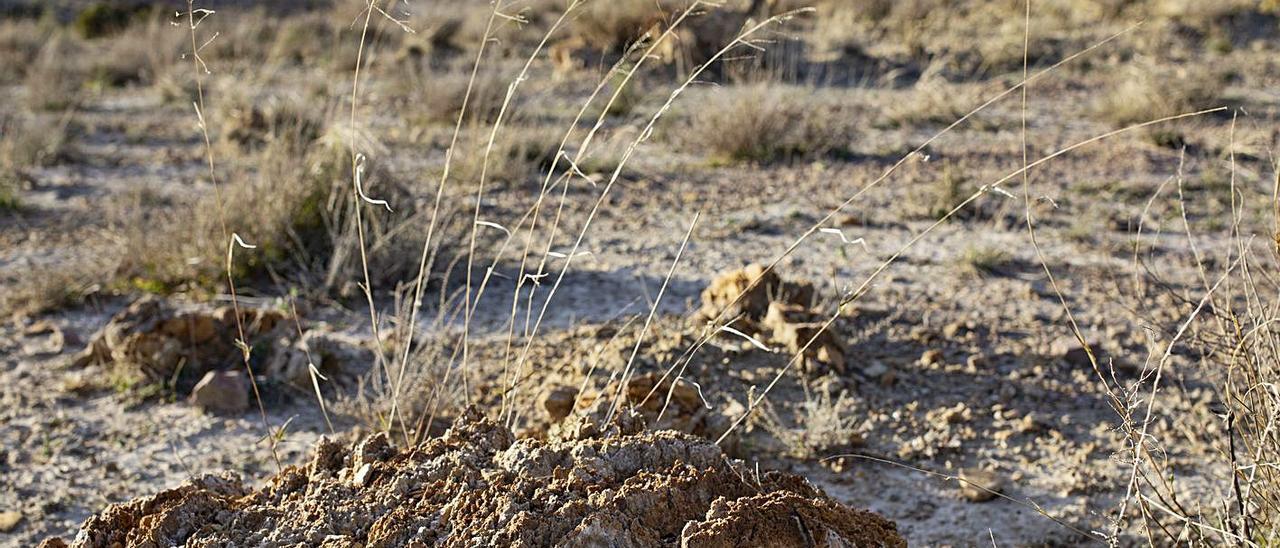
{"type": "Point", "coordinates": [292, 200]}
{"type": "Point", "coordinates": [427, 97]}
{"type": "Point", "coordinates": [33, 140]}
{"type": "Point", "coordinates": [1144, 93]}
{"type": "Point", "coordinates": [57, 284]}
{"type": "Point", "coordinates": [763, 124]}
{"type": "Point", "coordinates": [20, 43]}
{"type": "Point", "coordinates": [26, 142]}
{"type": "Point", "coordinates": [934, 103]}
{"type": "Point", "coordinates": [408, 394]}
{"type": "Point", "coordinates": [55, 79]}
{"type": "Point", "coordinates": [250, 122]}
{"type": "Point", "coordinates": [983, 261]}
{"type": "Point", "coordinates": [821, 424]}
{"type": "Point", "coordinates": [611, 27]}
{"type": "Point", "coordinates": [520, 152]}
{"type": "Point", "coordinates": [142, 57]}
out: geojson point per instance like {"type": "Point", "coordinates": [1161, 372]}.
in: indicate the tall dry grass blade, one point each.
{"type": "Point", "coordinates": [644, 134]}
{"type": "Point", "coordinates": [200, 69]}
{"type": "Point", "coordinates": [653, 310]}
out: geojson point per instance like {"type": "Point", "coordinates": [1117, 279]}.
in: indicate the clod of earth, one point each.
{"type": "Point", "coordinates": [477, 485]}
{"type": "Point", "coordinates": [778, 311]}
{"type": "Point", "coordinates": [224, 392]}
{"type": "Point", "coordinates": [166, 343]}
{"type": "Point", "coordinates": [733, 293]}
{"type": "Point", "coordinates": [978, 485]}
{"type": "Point", "coordinates": [802, 330]}
{"type": "Point", "coordinates": [660, 402]}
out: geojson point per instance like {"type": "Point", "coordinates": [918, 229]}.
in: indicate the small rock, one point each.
{"type": "Point", "coordinates": [876, 369]}
{"type": "Point", "coordinates": [225, 392]}
{"type": "Point", "coordinates": [953, 329]}
{"type": "Point", "coordinates": [931, 357]}
{"type": "Point", "coordinates": [42, 327]}
{"type": "Point", "coordinates": [9, 521]}
{"type": "Point", "coordinates": [1069, 350]}
{"type": "Point", "coordinates": [978, 485]}
{"type": "Point", "coordinates": [558, 402]}
{"type": "Point", "coordinates": [363, 475]}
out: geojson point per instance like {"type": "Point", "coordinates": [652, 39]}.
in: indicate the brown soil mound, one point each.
{"type": "Point", "coordinates": [477, 485]}
{"type": "Point", "coordinates": [163, 342]}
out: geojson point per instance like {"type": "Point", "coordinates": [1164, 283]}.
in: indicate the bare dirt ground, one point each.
{"type": "Point", "coordinates": [949, 373]}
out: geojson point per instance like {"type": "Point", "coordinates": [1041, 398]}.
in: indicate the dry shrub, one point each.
{"type": "Point", "coordinates": [412, 387]}
{"type": "Point", "coordinates": [764, 124]}
{"type": "Point", "coordinates": [55, 80]}
{"type": "Point", "coordinates": [62, 282]}
{"type": "Point", "coordinates": [142, 56]}
{"type": "Point", "coordinates": [933, 103]}
{"type": "Point", "coordinates": [982, 261]}
{"type": "Point", "coordinates": [822, 424]}
{"type": "Point", "coordinates": [28, 141]}
{"type": "Point", "coordinates": [1146, 93]}
{"type": "Point", "coordinates": [1236, 340]}
{"type": "Point", "coordinates": [249, 122]}
{"type": "Point", "coordinates": [610, 27]}
{"type": "Point", "coordinates": [294, 203]}
{"type": "Point", "coordinates": [20, 43]}
{"type": "Point", "coordinates": [1248, 346]}
{"type": "Point", "coordinates": [426, 97]}
{"type": "Point", "coordinates": [33, 140]}
{"type": "Point", "coordinates": [101, 19]}
{"type": "Point", "coordinates": [521, 151]}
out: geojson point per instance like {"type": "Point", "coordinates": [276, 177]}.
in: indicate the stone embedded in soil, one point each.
{"type": "Point", "coordinates": [978, 485]}
{"type": "Point", "coordinates": [559, 401]}
{"type": "Point", "coordinates": [160, 339]}
{"type": "Point", "coordinates": [163, 342]}
{"type": "Point", "coordinates": [477, 485]}
{"type": "Point", "coordinates": [1069, 349]}
{"type": "Point", "coordinates": [9, 521]}
{"type": "Point", "coordinates": [797, 328]}
{"type": "Point", "coordinates": [223, 392]}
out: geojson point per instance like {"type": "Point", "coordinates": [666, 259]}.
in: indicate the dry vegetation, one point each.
{"type": "Point", "coordinates": [472, 191]}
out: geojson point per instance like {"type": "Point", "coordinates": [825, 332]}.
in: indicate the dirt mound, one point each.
{"type": "Point", "coordinates": [162, 342]}
{"type": "Point", "coordinates": [761, 303]}
{"type": "Point", "coordinates": [733, 292]}
{"type": "Point", "coordinates": [477, 485]}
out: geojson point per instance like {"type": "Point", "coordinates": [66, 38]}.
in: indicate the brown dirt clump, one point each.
{"type": "Point", "coordinates": [775, 310]}
{"type": "Point", "coordinates": [477, 485]}
{"type": "Point", "coordinates": [162, 342]}
{"type": "Point", "coordinates": [733, 292]}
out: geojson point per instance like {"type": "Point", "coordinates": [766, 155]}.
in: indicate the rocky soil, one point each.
{"type": "Point", "coordinates": [478, 485]}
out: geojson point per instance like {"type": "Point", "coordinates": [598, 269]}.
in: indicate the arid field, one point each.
{"type": "Point", "coordinates": [360, 273]}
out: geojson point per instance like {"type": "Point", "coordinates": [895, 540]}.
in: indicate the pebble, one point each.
{"type": "Point", "coordinates": [9, 521]}
{"type": "Point", "coordinates": [978, 485]}
{"type": "Point", "coordinates": [222, 392]}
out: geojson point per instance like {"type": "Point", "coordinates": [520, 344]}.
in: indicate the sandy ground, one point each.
{"type": "Point", "coordinates": [947, 369]}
